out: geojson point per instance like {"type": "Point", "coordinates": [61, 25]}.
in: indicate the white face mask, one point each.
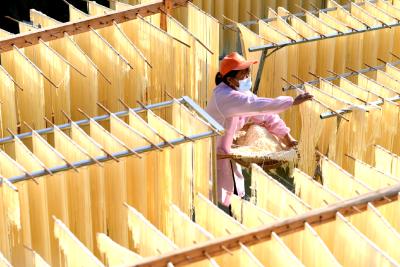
{"type": "Point", "coordinates": [245, 85]}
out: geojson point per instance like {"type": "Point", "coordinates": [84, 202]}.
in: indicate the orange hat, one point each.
{"type": "Point", "coordinates": [234, 61]}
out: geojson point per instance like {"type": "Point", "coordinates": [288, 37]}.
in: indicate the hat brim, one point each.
{"type": "Point", "coordinates": [246, 64]}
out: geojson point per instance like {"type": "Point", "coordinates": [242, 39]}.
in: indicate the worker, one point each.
{"type": "Point", "coordinates": [233, 105]}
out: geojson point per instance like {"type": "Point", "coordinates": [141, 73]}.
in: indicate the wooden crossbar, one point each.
{"type": "Point", "coordinates": [94, 22]}
{"type": "Point", "coordinates": [283, 227]}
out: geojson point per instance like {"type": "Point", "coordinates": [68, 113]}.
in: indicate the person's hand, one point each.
{"type": "Point", "coordinates": [289, 141]}
{"type": "Point", "coordinates": [302, 98]}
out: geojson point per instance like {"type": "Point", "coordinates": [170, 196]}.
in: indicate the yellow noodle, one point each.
{"type": "Point", "coordinates": [36, 230]}
{"type": "Point", "coordinates": [385, 36]}
{"type": "Point", "coordinates": [97, 181]}
{"type": "Point", "coordinates": [147, 239]}
{"type": "Point", "coordinates": [192, 233]}
{"type": "Point", "coordinates": [309, 248]}
{"type": "Point", "coordinates": [371, 176]}
{"type": "Point", "coordinates": [350, 246]}
{"type": "Point", "coordinates": [353, 89]}
{"type": "Point", "coordinates": [114, 184]}
{"type": "Point", "coordinates": [189, 57]}
{"type": "Point", "coordinates": [393, 11]}
{"type": "Point", "coordinates": [312, 192]}
{"type": "Point", "coordinates": [11, 221]}
{"type": "Point", "coordinates": [56, 92]}
{"type": "Point", "coordinates": [270, 195]}
{"type": "Point", "coordinates": [167, 180]}
{"type": "Point", "coordinates": [200, 150]}
{"type": "Point", "coordinates": [112, 66]}
{"type": "Point", "coordinates": [241, 257]}
{"type": "Point", "coordinates": [325, 56]}
{"type": "Point", "coordinates": [33, 95]}
{"type": "Point", "coordinates": [136, 180]}
{"type": "Point", "coordinates": [4, 262]}
{"type": "Point", "coordinates": [184, 232]}
{"type": "Point", "coordinates": [387, 162]}
{"type": "Point", "coordinates": [36, 260]}
{"type": "Point", "coordinates": [354, 43]}
{"type": "Point", "coordinates": [8, 99]}
{"type": "Point", "coordinates": [135, 80]}
{"type": "Point", "coordinates": [373, 225]}
{"type": "Point", "coordinates": [251, 39]}
{"type": "Point", "coordinates": [116, 254]}
{"type": "Point", "coordinates": [391, 213]}
{"type": "Point", "coordinates": [248, 214]}
{"type": "Point", "coordinates": [78, 188]}
{"type": "Point", "coordinates": [20, 255]}
{"type": "Point", "coordinates": [75, 253]}
{"type": "Point", "coordinates": [275, 253]}
{"type": "Point", "coordinates": [84, 76]}
{"type": "Point", "coordinates": [39, 261]}
{"type": "Point", "coordinates": [223, 225]}
{"type": "Point", "coordinates": [11, 203]}
{"type": "Point", "coordinates": [340, 181]}
{"type": "Point", "coordinates": [340, 42]}
{"type": "Point", "coordinates": [279, 61]}
{"type": "Point", "coordinates": [313, 127]}
{"type": "Point", "coordinates": [57, 197]}
{"type": "Point", "coordinates": [207, 30]}
{"type": "Point", "coordinates": [307, 52]}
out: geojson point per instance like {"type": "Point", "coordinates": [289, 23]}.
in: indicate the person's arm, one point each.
{"type": "Point", "coordinates": [276, 126]}
{"type": "Point", "coordinates": [289, 141]}
{"type": "Point", "coordinates": [238, 104]}
{"type": "Point", "coordinates": [273, 123]}
{"type": "Point", "coordinates": [233, 103]}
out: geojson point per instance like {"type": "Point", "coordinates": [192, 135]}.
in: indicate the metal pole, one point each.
{"type": "Point", "coordinates": [319, 38]}
{"type": "Point", "coordinates": [344, 75]}
{"type": "Point", "coordinates": [86, 121]}
{"type": "Point", "coordinates": [121, 114]}
{"type": "Point", "coordinates": [121, 154]}
{"type": "Point", "coordinates": [330, 114]}
{"type": "Point", "coordinates": [299, 14]}
{"type": "Point", "coordinates": [260, 71]}
{"type": "Point", "coordinates": [278, 46]}
{"type": "Point", "coordinates": [217, 127]}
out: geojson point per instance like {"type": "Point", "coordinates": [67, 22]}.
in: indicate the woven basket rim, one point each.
{"type": "Point", "coordinates": [260, 154]}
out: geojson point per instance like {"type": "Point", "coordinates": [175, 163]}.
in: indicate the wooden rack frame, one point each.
{"type": "Point", "coordinates": [95, 22]}
{"type": "Point", "coordinates": [330, 114]}
{"type": "Point", "coordinates": [215, 130]}
{"type": "Point", "coordinates": [269, 49]}
{"type": "Point", "coordinates": [286, 226]}
{"type": "Point", "coordinates": [299, 14]}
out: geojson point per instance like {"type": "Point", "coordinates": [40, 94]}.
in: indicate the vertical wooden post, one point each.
{"type": "Point", "coordinates": [167, 10]}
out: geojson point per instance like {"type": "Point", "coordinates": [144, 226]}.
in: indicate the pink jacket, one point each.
{"type": "Point", "coordinates": [232, 109]}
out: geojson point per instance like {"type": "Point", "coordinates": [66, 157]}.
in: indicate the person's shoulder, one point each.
{"type": "Point", "coordinates": [222, 87]}
{"type": "Point", "coordinates": [224, 90]}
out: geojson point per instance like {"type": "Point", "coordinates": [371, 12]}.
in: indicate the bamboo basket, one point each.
{"type": "Point", "coordinates": [247, 151]}
{"type": "Point", "coordinates": [246, 155]}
